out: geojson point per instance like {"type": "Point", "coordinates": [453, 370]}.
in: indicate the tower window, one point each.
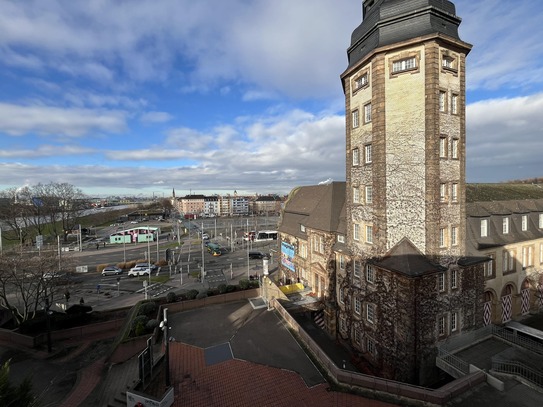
{"type": "Point", "coordinates": [404, 64]}
{"type": "Point", "coordinates": [454, 236]}
{"type": "Point", "coordinates": [357, 305]}
{"type": "Point", "coordinates": [441, 282]}
{"type": "Point", "coordinates": [367, 113]}
{"type": "Point", "coordinates": [356, 156]}
{"type": "Point", "coordinates": [442, 100]}
{"type": "Point", "coordinates": [369, 194]}
{"type": "Point", "coordinates": [454, 192]}
{"type": "Point", "coordinates": [361, 81]}
{"type": "Point", "coordinates": [443, 192]}
{"type": "Point", "coordinates": [449, 62]}
{"type": "Point", "coordinates": [370, 313]}
{"type": "Point", "coordinates": [442, 237]}
{"type": "Point", "coordinates": [368, 154]}
{"type": "Point", "coordinates": [443, 147]}
{"type": "Point", "coordinates": [454, 321]}
{"type": "Point", "coordinates": [370, 273]}
{"type": "Point", "coordinates": [355, 118]}
{"type": "Point", "coordinates": [356, 195]}
{"type": "Point", "coordinates": [356, 231]}
{"type": "Point", "coordinates": [454, 148]}
{"type": "Point", "coordinates": [454, 104]}
{"type": "Point", "coordinates": [369, 234]}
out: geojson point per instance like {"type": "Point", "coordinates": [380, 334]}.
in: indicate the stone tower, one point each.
{"type": "Point", "coordinates": [407, 285]}
{"type": "Point", "coordinates": [405, 129]}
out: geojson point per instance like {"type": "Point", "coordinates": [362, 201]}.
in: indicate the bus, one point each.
{"type": "Point", "coordinates": [214, 249]}
{"type": "Point", "coordinates": [264, 235]}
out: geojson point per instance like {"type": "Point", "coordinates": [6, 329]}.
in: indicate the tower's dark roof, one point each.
{"type": "Point", "coordinates": [387, 22]}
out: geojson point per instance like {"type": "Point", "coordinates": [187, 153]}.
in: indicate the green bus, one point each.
{"type": "Point", "coordinates": [214, 249]}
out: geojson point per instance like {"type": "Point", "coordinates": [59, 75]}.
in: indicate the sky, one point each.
{"type": "Point", "coordinates": [141, 97]}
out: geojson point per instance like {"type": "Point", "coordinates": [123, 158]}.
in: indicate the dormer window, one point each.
{"type": "Point", "coordinates": [302, 228]}
{"type": "Point", "coordinates": [341, 238]}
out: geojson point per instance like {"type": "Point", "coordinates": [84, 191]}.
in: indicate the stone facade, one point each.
{"type": "Point", "coordinates": [405, 200]}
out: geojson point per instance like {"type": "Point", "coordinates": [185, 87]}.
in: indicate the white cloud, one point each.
{"type": "Point", "coordinates": [17, 120]}
{"type": "Point", "coordinates": [156, 117]}
{"type": "Point", "coordinates": [45, 151]}
{"type": "Point", "coordinates": [506, 43]}
{"type": "Point", "coordinates": [501, 132]}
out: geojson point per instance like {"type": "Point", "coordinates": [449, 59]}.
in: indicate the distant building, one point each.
{"type": "Point", "coordinates": [266, 204]}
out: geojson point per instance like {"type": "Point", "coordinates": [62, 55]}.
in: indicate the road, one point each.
{"type": "Point", "coordinates": [188, 256]}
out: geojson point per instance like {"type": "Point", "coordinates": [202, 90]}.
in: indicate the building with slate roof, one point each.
{"type": "Point", "coordinates": [510, 233]}
{"type": "Point", "coordinates": [387, 255]}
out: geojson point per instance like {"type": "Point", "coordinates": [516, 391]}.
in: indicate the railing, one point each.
{"type": "Point", "coordinates": [516, 339]}
{"type": "Point", "coordinates": [453, 361]}
{"type": "Point", "coordinates": [518, 369]}
{"type": "Point", "coordinates": [467, 339]}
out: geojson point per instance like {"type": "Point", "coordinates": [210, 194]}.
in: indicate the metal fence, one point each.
{"type": "Point", "coordinates": [516, 339]}
{"type": "Point", "coordinates": [454, 361]}
{"type": "Point", "coordinates": [518, 369]}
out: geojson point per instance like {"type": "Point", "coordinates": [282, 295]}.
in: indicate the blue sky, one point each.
{"type": "Point", "coordinates": [211, 96]}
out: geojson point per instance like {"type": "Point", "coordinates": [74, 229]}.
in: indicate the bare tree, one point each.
{"type": "Point", "coordinates": [27, 280]}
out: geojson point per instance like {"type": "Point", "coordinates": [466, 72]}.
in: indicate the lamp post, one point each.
{"type": "Point", "coordinates": [149, 254]}
{"type": "Point", "coordinates": [203, 260]}
{"type": "Point", "coordinates": [48, 322]}
{"type": "Point", "coordinates": [165, 329]}
{"type": "Point", "coordinates": [124, 247]}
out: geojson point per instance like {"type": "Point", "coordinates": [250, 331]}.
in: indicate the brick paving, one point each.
{"type": "Point", "coordinates": [87, 381]}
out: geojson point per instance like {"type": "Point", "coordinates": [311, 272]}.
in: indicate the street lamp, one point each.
{"type": "Point", "coordinates": [165, 329]}
{"type": "Point", "coordinates": [149, 255]}
{"type": "Point", "coordinates": [48, 322]}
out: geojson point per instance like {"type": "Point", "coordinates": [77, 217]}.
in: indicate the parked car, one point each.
{"type": "Point", "coordinates": [258, 255]}
{"type": "Point", "coordinates": [139, 271]}
{"type": "Point", "coordinates": [153, 267]}
{"type": "Point", "coordinates": [111, 271]}
{"type": "Point", "coordinates": [205, 236]}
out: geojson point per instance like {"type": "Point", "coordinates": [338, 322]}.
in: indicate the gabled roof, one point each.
{"type": "Point", "coordinates": [406, 259]}
{"type": "Point", "coordinates": [316, 207]}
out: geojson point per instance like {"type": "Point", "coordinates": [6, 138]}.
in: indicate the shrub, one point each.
{"type": "Point", "coordinates": [100, 267]}
{"type": "Point", "coordinates": [151, 324]}
{"type": "Point", "coordinates": [191, 294]}
{"type": "Point", "coordinates": [148, 308]}
{"type": "Point", "coordinates": [230, 288]}
{"type": "Point", "coordinates": [138, 324]}
{"type": "Point", "coordinates": [162, 263]}
{"type": "Point", "coordinates": [171, 297]}
{"type": "Point", "coordinates": [244, 284]}
{"type": "Point", "coordinates": [222, 288]}
{"type": "Point", "coordinates": [253, 284]}
{"type": "Point", "coordinates": [139, 329]}
{"type": "Point", "coordinates": [201, 294]}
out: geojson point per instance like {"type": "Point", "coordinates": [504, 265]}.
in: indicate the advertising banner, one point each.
{"type": "Point", "coordinates": [287, 256]}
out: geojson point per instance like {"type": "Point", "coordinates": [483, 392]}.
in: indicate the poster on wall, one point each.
{"type": "Point", "coordinates": [287, 256]}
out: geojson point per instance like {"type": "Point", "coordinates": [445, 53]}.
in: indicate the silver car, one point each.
{"type": "Point", "coordinates": [111, 271]}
